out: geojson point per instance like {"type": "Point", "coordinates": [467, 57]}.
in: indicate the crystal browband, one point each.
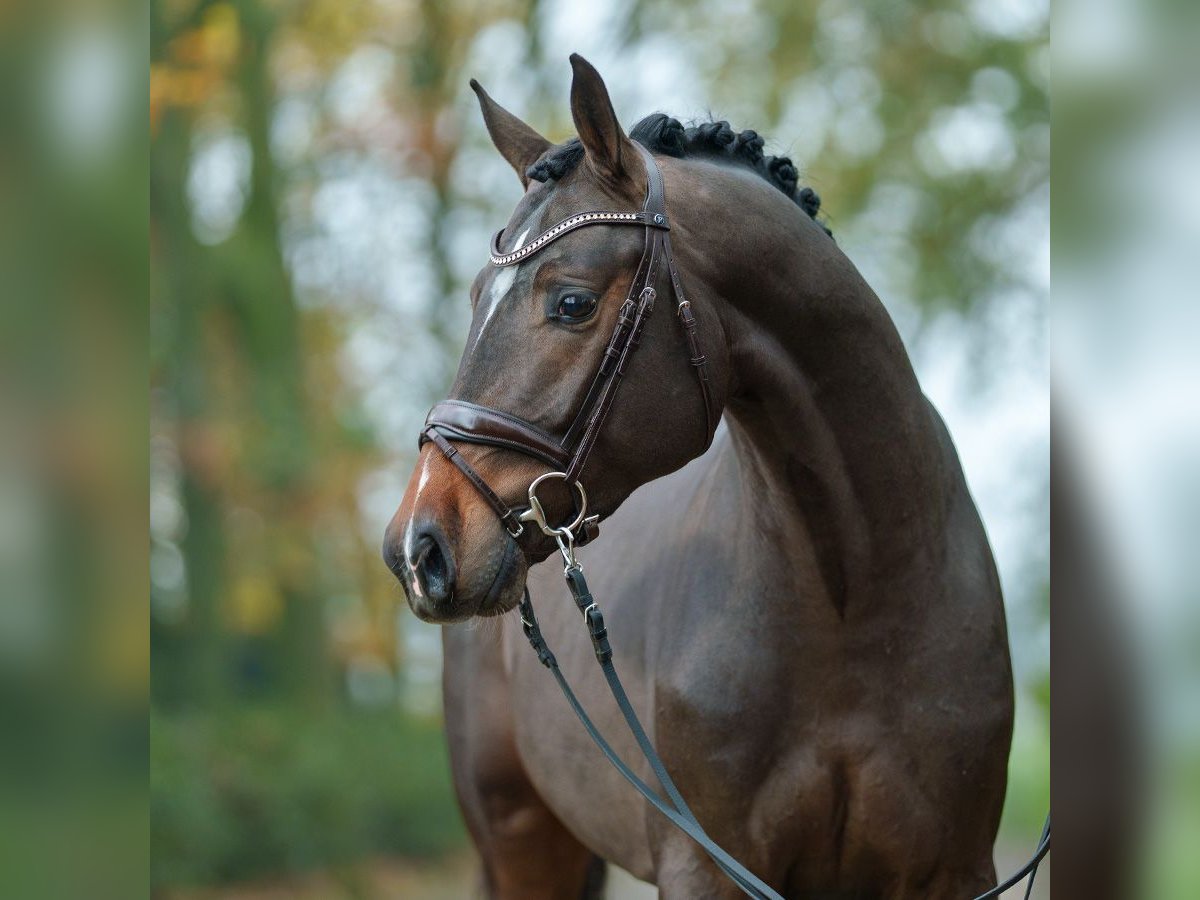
{"type": "Point", "coordinates": [643, 219]}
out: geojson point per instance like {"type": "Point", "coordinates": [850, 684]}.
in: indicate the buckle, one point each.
{"type": "Point", "coordinates": [591, 529]}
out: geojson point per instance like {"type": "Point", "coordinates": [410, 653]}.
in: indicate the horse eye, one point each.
{"type": "Point", "coordinates": [575, 307]}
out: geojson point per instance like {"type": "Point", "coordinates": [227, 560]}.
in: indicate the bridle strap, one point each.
{"type": "Point", "coordinates": [698, 360]}
{"type": "Point", "coordinates": [463, 421]}
{"type": "Point", "coordinates": [508, 517]}
{"type": "Point", "coordinates": [674, 808]}
{"type": "Point", "coordinates": [626, 317]}
{"type": "Point", "coordinates": [626, 340]}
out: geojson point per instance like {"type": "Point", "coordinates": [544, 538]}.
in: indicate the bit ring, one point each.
{"type": "Point", "coordinates": [537, 514]}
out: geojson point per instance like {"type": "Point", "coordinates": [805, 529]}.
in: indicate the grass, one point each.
{"type": "Point", "coordinates": [256, 791]}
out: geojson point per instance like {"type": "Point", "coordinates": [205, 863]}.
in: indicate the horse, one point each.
{"type": "Point", "coordinates": [798, 588]}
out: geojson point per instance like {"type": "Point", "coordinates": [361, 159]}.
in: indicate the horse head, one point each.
{"type": "Point", "coordinates": [540, 331]}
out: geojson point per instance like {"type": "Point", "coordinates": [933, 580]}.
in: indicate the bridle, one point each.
{"type": "Point", "coordinates": [459, 420]}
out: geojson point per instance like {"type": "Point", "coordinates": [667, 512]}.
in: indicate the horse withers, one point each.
{"type": "Point", "coordinates": [803, 603]}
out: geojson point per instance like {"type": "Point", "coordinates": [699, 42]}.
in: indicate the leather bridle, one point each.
{"type": "Point", "coordinates": [459, 420]}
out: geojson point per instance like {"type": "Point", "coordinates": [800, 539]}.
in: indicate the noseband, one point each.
{"type": "Point", "coordinates": [458, 420]}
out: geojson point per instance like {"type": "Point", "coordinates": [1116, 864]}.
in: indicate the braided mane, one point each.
{"type": "Point", "coordinates": [663, 134]}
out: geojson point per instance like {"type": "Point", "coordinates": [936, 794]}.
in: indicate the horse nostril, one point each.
{"type": "Point", "coordinates": [393, 557]}
{"type": "Point", "coordinates": [432, 565]}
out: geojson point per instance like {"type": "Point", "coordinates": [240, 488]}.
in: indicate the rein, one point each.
{"type": "Point", "coordinates": [678, 812]}
{"type": "Point", "coordinates": [459, 420]}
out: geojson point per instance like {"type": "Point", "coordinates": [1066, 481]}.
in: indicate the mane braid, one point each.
{"type": "Point", "coordinates": [660, 133]}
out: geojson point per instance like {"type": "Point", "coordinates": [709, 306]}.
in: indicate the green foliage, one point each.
{"type": "Point", "coordinates": [1172, 866]}
{"type": "Point", "coordinates": [1028, 796]}
{"type": "Point", "coordinates": [272, 790]}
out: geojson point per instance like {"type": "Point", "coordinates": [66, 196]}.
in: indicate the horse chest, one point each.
{"type": "Point", "coordinates": [710, 696]}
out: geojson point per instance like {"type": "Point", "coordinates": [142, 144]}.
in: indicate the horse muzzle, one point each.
{"type": "Point", "coordinates": [453, 557]}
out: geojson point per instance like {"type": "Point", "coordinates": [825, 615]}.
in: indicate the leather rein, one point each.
{"type": "Point", "coordinates": [459, 420]}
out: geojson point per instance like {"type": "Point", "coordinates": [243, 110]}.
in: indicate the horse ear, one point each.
{"type": "Point", "coordinates": [516, 141]}
{"type": "Point", "coordinates": [608, 149]}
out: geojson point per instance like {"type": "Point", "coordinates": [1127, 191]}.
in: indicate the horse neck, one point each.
{"type": "Point", "coordinates": [826, 416]}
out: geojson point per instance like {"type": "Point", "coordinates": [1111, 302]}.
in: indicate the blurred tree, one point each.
{"type": "Point", "coordinates": [269, 440]}
{"type": "Point", "coordinates": [233, 387]}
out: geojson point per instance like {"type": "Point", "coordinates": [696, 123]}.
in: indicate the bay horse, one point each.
{"type": "Point", "coordinates": [800, 592]}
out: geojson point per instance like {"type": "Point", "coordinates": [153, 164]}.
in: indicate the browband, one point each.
{"type": "Point", "coordinates": [643, 219]}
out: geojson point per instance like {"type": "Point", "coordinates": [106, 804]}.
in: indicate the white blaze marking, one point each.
{"type": "Point", "coordinates": [501, 285]}
{"type": "Point", "coordinates": [424, 479]}
{"type": "Point", "coordinates": [408, 530]}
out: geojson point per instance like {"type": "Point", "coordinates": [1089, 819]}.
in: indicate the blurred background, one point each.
{"type": "Point", "coordinates": [322, 191]}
